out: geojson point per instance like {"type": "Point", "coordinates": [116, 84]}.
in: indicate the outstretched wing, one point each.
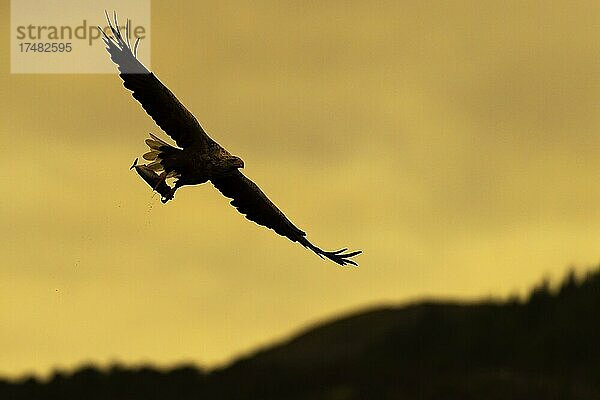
{"type": "Point", "coordinates": [158, 101]}
{"type": "Point", "coordinates": [256, 206]}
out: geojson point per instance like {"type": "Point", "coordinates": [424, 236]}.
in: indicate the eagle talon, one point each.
{"type": "Point", "coordinates": [169, 196]}
{"type": "Point", "coordinates": [164, 200]}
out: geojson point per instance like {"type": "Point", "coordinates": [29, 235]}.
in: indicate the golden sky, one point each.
{"type": "Point", "coordinates": [457, 143]}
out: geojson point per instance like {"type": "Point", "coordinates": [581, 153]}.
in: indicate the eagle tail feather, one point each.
{"type": "Point", "coordinates": [159, 152]}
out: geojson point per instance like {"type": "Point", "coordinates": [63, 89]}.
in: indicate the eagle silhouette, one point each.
{"type": "Point", "coordinates": [198, 159]}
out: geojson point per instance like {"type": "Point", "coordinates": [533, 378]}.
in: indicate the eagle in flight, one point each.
{"type": "Point", "coordinates": [198, 158]}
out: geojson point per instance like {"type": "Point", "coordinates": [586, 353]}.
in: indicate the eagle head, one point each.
{"type": "Point", "coordinates": [235, 162]}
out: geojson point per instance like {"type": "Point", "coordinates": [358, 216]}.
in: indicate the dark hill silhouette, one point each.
{"type": "Point", "coordinates": [544, 347]}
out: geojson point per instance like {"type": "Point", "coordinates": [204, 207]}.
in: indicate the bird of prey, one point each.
{"type": "Point", "coordinates": [198, 158]}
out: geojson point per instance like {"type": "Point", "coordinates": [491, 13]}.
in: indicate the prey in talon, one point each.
{"type": "Point", "coordinates": [156, 181]}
